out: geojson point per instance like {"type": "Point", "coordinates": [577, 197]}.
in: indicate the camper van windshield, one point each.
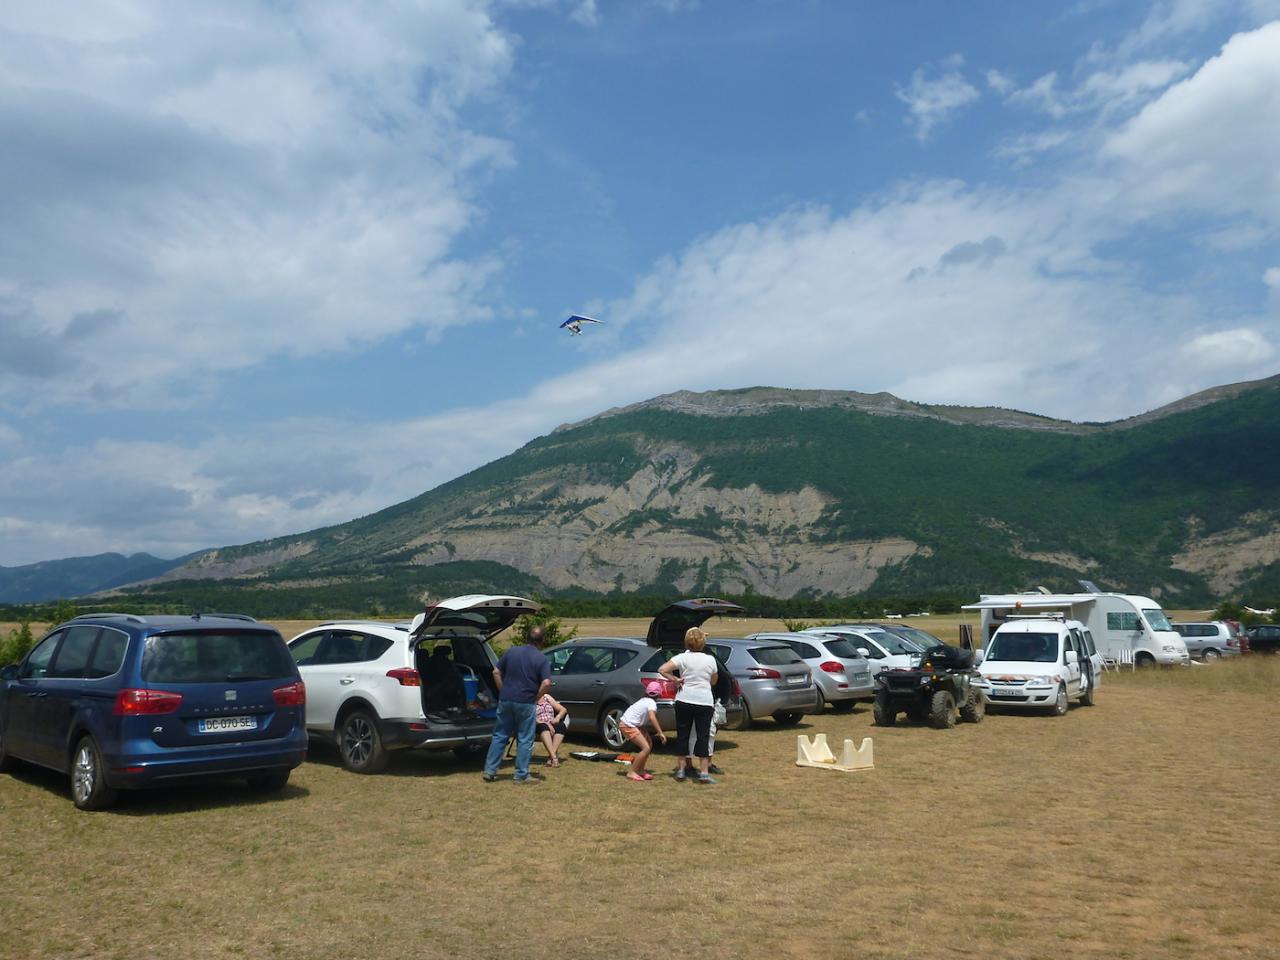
{"type": "Point", "coordinates": [1157, 619]}
{"type": "Point", "coordinates": [1033, 647]}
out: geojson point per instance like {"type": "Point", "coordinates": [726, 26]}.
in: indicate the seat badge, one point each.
{"type": "Point", "coordinates": [230, 694]}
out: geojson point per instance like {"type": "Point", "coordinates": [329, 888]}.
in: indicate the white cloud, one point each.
{"type": "Point", "coordinates": [1210, 142]}
{"type": "Point", "coordinates": [1272, 278]}
{"type": "Point", "coordinates": [1230, 349]}
{"type": "Point", "coordinates": [1000, 82]}
{"type": "Point", "coordinates": [1101, 91]}
{"type": "Point", "coordinates": [236, 182]}
{"type": "Point", "coordinates": [931, 101]}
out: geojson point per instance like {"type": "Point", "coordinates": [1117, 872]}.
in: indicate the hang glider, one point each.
{"type": "Point", "coordinates": [574, 324]}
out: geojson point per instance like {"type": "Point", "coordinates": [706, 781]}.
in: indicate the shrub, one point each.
{"type": "Point", "coordinates": [14, 647]}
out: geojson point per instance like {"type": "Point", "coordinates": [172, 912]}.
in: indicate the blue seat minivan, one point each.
{"type": "Point", "coordinates": [119, 701]}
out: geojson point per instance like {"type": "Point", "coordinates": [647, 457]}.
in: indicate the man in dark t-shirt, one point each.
{"type": "Point", "coordinates": [523, 675]}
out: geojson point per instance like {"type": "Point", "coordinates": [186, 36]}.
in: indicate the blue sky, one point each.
{"type": "Point", "coordinates": [268, 266]}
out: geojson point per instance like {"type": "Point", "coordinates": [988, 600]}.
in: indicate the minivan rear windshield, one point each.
{"type": "Point", "coordinates": [774, 656]}
{"type": "Point", "coordinates": [1032, 647]}
{"type": "Point", "coordinates": [220, 657]}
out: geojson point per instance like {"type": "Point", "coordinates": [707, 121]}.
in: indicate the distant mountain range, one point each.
{"type": "Point", "coordinates": [75, 576]}
{"type": "Point", "coordinates": [810, 493]}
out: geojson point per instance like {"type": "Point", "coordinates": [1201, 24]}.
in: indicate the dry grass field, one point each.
{"type": "Point", "coordinates": [1143, 827]}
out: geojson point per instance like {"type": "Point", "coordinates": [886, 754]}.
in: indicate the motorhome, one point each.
{"type": "Point", "coordinates": [1121, 624]}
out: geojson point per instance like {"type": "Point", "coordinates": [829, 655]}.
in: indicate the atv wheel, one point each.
{"type": "Point", "coordinates": [975, 708]}
{"type": "Point", "coordinates": [942, 711]}
{"type": "Point", "coordinates": [882, 713]}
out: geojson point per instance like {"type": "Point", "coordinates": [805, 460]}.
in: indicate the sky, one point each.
{"type": "Point", "coordinates": [267, 266]}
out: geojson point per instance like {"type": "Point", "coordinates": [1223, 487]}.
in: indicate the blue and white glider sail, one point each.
{"type": "Point", "coordinates": [574, 323]}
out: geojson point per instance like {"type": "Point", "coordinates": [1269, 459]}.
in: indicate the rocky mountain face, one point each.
{"type": "Point", "coordinates": [798, 492]}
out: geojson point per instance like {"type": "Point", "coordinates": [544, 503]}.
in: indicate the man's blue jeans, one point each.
{"type": "Point", "coordinates": [514, 719]}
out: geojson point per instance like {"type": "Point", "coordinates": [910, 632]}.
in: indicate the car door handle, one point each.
{"type": "Point", "coordinates": [347, 680]}
{"type": "Point", "coordinates": [33, 694]}
{"type": "Point", "coordinates": [597, 683]}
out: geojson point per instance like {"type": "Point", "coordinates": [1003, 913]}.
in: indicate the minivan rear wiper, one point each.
{"type": "Point", "coordinates": [232, 677]}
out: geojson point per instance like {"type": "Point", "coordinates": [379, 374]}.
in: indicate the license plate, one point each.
{"type": "Point", "coordinates": [796, 679]}
{"type": "Point", "coordinates": [223, 724]}
{"type": "Point", "coordinates": [1009, 692]}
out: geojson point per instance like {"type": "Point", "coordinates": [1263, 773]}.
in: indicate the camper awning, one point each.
{"type": "Point", "coordinates": [1026, 603]}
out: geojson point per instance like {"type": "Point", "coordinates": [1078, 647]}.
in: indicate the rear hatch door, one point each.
{"type": "Point", "coordinates": [669, 626]}
{"type": "Point", "coordinates": [226, 679]}
{"type": "Point", "coordinates": [793, 673]}
{"type": "Point", "coordinates": [473, 613]}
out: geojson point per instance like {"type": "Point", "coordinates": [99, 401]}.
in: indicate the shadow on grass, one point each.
{"type": "Point", "coordinates": [212, 794]}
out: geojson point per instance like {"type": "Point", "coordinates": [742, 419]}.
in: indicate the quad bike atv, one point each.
{"type": "Point", "coordinates": [939, 689]}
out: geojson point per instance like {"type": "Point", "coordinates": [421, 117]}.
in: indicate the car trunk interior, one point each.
{"type": "Point", "coordinates": [457, 675]}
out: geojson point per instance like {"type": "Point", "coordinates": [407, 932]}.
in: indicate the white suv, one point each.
{"type": "Point", "coordinates": [374, 687]}
{"type": "Point", "coordinates": [1040, 661]}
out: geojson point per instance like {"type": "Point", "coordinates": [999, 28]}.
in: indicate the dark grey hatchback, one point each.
{"type": "Point", "coordinates": [596, 678]}
{"type": "Point", "coordinates": [123, 701]}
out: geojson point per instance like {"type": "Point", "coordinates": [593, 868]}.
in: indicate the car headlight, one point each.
{"type": "Point", "coordinates": [1169, 648]}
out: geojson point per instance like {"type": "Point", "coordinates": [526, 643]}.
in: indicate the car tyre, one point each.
{"type": "Point", "coordinates": [1059, 708]}
{"type": "Point", "coordinates": [975, 707]}
{"type": "Point", "coordinates": [1088, 697]}
{"type": "Point", "coordinates": [745, 722]}
{"type": "Point", "coordinates": [272, 782]}
{"type": "Point", "coordinates": [6, 758]}
{"type": "Point", "coordinates": [942, 710]}
{"type": "Point", "coordinates": [822, 703]}
{"type": "Point", "coordinates": [360, 743]}
{"type": "Point", "coordinates": [609, 728]}
{"type": "Point", "coordinates": [882, 713]}
{"type": "Point", "coordinates": [787, 718]}
{"type": "Point", "coordinates": [89, 790]}
{"type": "Point", "coordinates": [844, 706]}
{"type": "Point", "coordinates": [1210, 655]}
{"type": "Point", "coordinates": [1144, 661]}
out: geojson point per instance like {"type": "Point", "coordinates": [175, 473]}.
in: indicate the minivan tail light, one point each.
{"type": "Point", "coordinates": [763, 673]}
{"type": "Point", "coordinates": [831, 666]}
{"type": "Point", "coordinates": [405, 676]}
{"type": "Point", "coordinates": [134, 702]}
{"type": "Point", "coordinates": [737, 689]}
{"type": "Point", "coordinates": [291, 694]}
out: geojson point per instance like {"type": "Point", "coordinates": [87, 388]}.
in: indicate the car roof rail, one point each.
{"type": "Point", "coordinates": [226, 616]}
{"type": "Point", "coordinates": [391, 625]}
{"type": "Point", "coordinates": [132, 617]}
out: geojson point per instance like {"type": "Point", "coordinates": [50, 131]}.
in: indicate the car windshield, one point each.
{"type": "Point", "coordinates": [1157, 619]}
{"type": "Point", "coordinates": [893, 644]}
{"type": "Point", "coordinates": [840, 647]}
{"type": "Point", "coordinates": [921, 638]}
{"type": "Point", "coordinates": [215, 657]}
{"type": "Point", "coordinates": [1032, 647]}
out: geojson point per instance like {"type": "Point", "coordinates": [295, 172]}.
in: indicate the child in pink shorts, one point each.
{"type": "Point", "coordinates": [632, 727]}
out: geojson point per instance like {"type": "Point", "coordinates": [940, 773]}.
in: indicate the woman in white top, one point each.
{"type": "Point", "coordinates": [694, 673]}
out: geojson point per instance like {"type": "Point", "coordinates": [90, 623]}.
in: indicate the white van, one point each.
{"type": "Point", "coordinates": [1119, 622]}
{"type": "Point", "coordinates": [1040, 661]}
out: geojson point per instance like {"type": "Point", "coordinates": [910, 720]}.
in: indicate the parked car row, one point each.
{"type": "Point", "coordinates": [1211, 640]}
{"type": "Point", "coordinates": [119, 701]}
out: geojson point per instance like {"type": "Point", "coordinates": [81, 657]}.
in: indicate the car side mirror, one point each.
{"type": "Point", "coordinates": [864, 652]}
{"type": "Point", "coordinates": [10, 672]}
{"type": "Point", "coordinates": [1073, 657]}
{"type": "Point", "coordinates": [979, 656]}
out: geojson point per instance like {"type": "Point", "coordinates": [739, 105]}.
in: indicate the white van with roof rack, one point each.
{"type": "Point", "coordinates": [1040, 661]}
{"type": "Point", "coordinates": [1123, 626]}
